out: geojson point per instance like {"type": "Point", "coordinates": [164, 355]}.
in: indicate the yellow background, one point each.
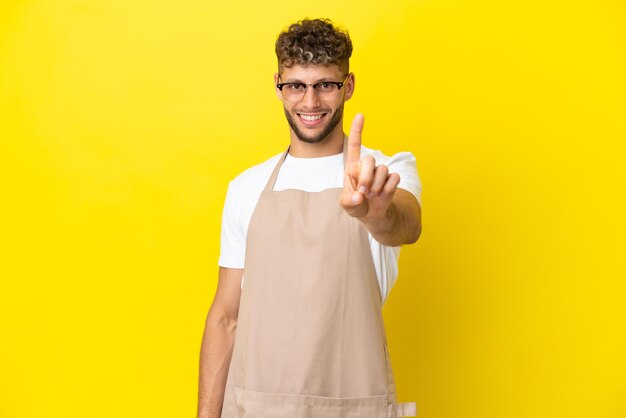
{"type": "Point", "coordinates": [121, 123]}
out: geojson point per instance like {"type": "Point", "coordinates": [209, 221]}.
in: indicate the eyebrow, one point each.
{"type": "Point", "coordinates": [321, 80]}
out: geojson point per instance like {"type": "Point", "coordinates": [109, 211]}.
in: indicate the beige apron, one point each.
{"type": "Point", "coordinates": [310, 339]}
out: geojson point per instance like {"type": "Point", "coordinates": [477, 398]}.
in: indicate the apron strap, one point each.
{"type": "Point", "coordinates": [270, 183]}
{"type": "Point", "coordinates": [272, 180]}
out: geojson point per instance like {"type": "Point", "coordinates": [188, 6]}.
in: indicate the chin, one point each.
{"type": "Point", "coordinates": [322, 132]}
{"type": "Point", "coordinates": [310, 140]}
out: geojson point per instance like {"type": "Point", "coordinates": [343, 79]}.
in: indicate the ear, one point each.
{"type": "Point", "coordinates": [349, 86]}
{"type": "Point", "coordinates": [278, 92]}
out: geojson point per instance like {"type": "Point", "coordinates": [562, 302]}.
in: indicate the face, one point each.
{"type": "Point", "coordinates": [311, 118]}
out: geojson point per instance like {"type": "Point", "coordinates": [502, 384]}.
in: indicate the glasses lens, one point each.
{"type": "Point", "coordinates": [294, 91]}
{"type": "Point", "coordinates": [326, 88]}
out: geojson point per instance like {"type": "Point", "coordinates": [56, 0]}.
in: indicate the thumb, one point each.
{"type": "Point", "coordinates": [353, 202]}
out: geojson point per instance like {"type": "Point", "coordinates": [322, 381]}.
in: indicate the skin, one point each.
{"type": "Point", "coordinates": [217, 343]}
{"type": "Point", "coordinates": [370, 194]}
{"type": "Point", "coordinates": [311, 104]}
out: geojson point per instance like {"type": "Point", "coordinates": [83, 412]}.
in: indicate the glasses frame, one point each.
{"type": "Point", "coordinates": [339, 85]}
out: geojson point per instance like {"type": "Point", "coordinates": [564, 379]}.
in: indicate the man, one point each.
{"type": "Point", "coordinates": [302, 334]}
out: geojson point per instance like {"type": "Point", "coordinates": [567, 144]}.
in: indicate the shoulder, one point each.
{"type": "Point", "coordinates": [254, 177]}
{"type": "Point", "coordinates": [399, 159]}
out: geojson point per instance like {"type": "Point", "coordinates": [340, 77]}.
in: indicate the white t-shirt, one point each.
{"type": "Point", "coordinates": [311, 175]}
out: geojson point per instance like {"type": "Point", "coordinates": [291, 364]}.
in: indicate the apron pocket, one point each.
{"type": "Point", "coordinates": [253, 404]}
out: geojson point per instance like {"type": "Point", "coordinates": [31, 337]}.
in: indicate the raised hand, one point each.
{"type": "Point", "coordinates": [367, 188]}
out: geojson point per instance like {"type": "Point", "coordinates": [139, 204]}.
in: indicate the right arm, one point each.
{"type": "Point", "coordinates": [217, 343]}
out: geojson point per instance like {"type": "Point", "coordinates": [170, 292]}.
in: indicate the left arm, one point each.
{"type": "Point", "coordinates": [401, 224]}
{"type": "Point", "coordinates": [391, 214]}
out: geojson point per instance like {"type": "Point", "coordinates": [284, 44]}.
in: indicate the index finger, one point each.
{"type": "Point", "coordinates": [354, 144]}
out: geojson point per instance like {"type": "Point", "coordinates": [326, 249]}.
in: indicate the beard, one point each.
{"type": "Point", "coordinates": [330, 126]}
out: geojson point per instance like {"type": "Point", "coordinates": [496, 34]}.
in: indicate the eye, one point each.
{"type": "Point", "coordinates": [325, 86]}
{"type": "Point", "coordinates": [295, 86]}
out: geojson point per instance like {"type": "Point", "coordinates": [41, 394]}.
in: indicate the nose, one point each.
{"type": "Point", "coordinates": [310, 99]}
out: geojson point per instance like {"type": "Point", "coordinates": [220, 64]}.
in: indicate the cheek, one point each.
{"type": "Point", "coordinates": [337, 107]}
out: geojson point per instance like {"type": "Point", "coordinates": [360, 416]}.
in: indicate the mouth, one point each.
{"type": "Point", "coordinates": [311, 119]}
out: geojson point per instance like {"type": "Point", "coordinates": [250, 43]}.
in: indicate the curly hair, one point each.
{"type": "Point", "coordinates": [315, 41]}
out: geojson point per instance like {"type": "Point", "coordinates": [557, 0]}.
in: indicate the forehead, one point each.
{"type": "Point", "coordinates": [311, 72]}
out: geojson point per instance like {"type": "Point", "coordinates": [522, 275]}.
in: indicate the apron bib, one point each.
{"type": "Point", "coordinates": [310, 339]}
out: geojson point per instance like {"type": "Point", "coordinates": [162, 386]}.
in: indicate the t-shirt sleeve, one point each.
{"type": "Point", "coordinates": [405, 165]}
{"type": "Point", "coordinates": [233, 236]}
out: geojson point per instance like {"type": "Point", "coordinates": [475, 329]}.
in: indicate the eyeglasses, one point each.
{"type": "Point", "coordinates": [325, 89]}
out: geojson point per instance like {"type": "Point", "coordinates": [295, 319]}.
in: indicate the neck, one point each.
{"type": "Point", "coordinates": [331, 145]}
